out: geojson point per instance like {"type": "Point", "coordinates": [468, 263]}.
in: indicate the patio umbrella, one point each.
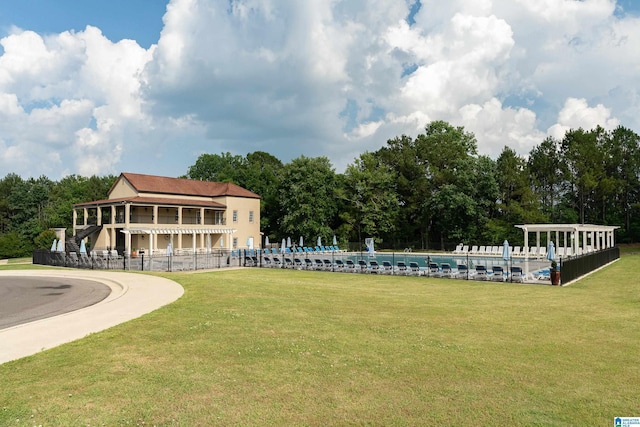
{"type": "Point", "coordinates": [284, 243]}
{"type": "Point", "coordinates": [54, 246]}
{"type": "Point", "coordinates": [288, 242]}
{"type": "Point", "coordinates": [506, 251]}
{"type": "Point", "coordinates": [319, 243]}
{"type": "Point", "coordinates": [551, 253]}
{"type": "Point", "coordinates": [169, 249]}
{"type": "Point", "coordinates": [60, 247]}
{"type": "Point", "coordinates": [83, 247]}
{"type": "Point", "coordinates": [335, 241]}
{"type": "Point", "coordinates": [266, 241]}
{"type": "Point", "coordinates": [301, 243]}
{"type": "Point", "coordinates": [221, 241]}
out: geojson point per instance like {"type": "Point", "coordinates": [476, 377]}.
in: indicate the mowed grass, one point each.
{"type": "Point", "coordinates": [282, 347]}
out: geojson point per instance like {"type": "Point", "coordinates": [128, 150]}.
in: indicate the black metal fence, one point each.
{"type": "Point", "coordinates": [576, 267]}
{"type": "Point", "coordinates": [110, 260]}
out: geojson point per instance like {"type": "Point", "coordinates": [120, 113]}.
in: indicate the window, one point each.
{"type": "Point", "coordinates": [198, 218]}
{"type": "Point", "coordinates": [219, 218]}
{"type": "Point", "coordinates": [235, 216]}
{"type": "Point", "coordinates": [250, 216]}
{"type": "Point", "coordinates": [235, 243]}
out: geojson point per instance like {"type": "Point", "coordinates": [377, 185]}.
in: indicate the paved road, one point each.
{"type": "Point", "coordinates": [131, 295]}
{"type": "Point", "coordinates": [24, 299]}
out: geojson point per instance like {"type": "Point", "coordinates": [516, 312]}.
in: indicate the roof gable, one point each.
{"type": "Point", "coordinates": [185, 187]}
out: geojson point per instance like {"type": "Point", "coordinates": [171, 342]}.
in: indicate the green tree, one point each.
{"type": "Point", "coordinates": [307, 198]}
{"type": "Point", "coordinates": [448, 155]}
{"type": "Point", "coordinates": [262, 174]}
{"type": "Point", "coordinates": [371, 205]}
{"type": "Point", "coordinates": [545, 168]}
{"type": "Point", "coordinates": [584, 167]}
{"type": "Point", "coordinates": [516, 203]}
{"type": "Point", "coordinates": [223, 167]}
{"type": "Point", "coordinates": [403, 157]}
{"type": "Point", "coordinates": [622, 165]}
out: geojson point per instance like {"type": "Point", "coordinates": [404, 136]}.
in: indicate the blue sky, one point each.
{"type": "Point", "coordinates": [293, 78]}
{"type": "Point", "coordinates": [140, 20]}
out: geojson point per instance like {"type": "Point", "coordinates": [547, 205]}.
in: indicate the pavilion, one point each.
{"type": "Point", "coordinates": [572, 239]}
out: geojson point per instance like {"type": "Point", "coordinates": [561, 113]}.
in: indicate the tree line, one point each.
{"type": "Point", "coordinates": [428, 192]}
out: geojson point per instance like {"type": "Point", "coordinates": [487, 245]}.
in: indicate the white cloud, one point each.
{"type": "Point", "coordinates": [317, 77]}
{"type": "Point", "coordinates": [67, 100]}
{"type": "Point", "coordinates": [577, 114]}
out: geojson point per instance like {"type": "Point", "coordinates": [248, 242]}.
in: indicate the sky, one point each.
{"type": "Point", "coordinates": [98, 87]}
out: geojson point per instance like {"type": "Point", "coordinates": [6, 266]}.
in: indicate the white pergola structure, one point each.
{"type": "Point", "coordinates": [201, 237]}
{"type": "Point", "coordinates": [572, 239]}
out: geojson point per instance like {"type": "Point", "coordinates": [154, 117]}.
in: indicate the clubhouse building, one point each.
{"type": "Point", "coordinates": [161, 214]}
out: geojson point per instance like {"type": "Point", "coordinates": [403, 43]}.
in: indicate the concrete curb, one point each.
{"type": "Point", "coordinates": [132, 295]}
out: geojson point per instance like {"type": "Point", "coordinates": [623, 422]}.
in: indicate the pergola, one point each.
{"type": "Point", "coordinates": [572, 239]}
{"type": "Point", "coordinates": [204, 233]}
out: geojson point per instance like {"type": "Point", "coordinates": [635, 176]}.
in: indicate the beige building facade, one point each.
{"type": "Point", "coordinates": [169, 215]}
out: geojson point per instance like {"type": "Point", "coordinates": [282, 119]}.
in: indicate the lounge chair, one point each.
{"type": "Point", "coordinates": [474, 249]}
{"type": "Point", "coordinates": [516, 274]}
{"type": "Point", "coordinates": [276, 262]}
{"type": "Point", "coordinates": [465, 249]}
{"type": "Point", "coordinates": [288, 263]}
{"type": "Point", "coordinates": [458, 249]}
{"type": "Point", "coordinates": [339, 265]}
{"type": "Point", "coordinates": [446, 270]}
{"type": "Point", "coordinates": [350, 266]}
{"type": "Point", "coordinates": [481, 273]}
{"type": "Point", "coordinates": [497, 273]}
{"type": "Point", "coordinates": [375, 267]}
{"type": "Point", "coordinates": [515, 251]}
{"type": "Point", "coordinates": [297, 263]}
{"type": "Point", "coordinates": [387, 268]}
{"type": "Point", "coordinates": [364, 268]}
{"type": "Point", "coordinates": [319, 265]}
{"type": "Point", "coordinates": [414, 269]}
{"type": "Point", "coordinates": [266, 261]}
{"type": "Point", "coordinates": [463, 272]}
{"type": "Point", "coordinates": [328, 265]}
{"type": "Point", "coordinates": [433, 270]}
{"type": "Point", "coordinates": [482, 250]}
{"type": "Point", "coordinates": [402, 268]}
{"type": "Point", "coordinates": [308, 264]}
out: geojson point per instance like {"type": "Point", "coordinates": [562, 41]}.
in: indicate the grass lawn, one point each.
{"type": "Point", "coordinates": [282, 347]}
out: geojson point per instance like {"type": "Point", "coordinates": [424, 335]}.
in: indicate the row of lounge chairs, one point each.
{"type": "Point", "coordinates": [516, 251]}
{"type": "Point", "coordinates": [497, 273]}
{"type": "Point", "coordinates": [303, 250]}
{"type": "Point", "coordinates": [347, 266]}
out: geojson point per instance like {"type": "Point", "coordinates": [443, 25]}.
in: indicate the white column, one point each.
{"type": "Point", "coordinates": [193, 241]}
